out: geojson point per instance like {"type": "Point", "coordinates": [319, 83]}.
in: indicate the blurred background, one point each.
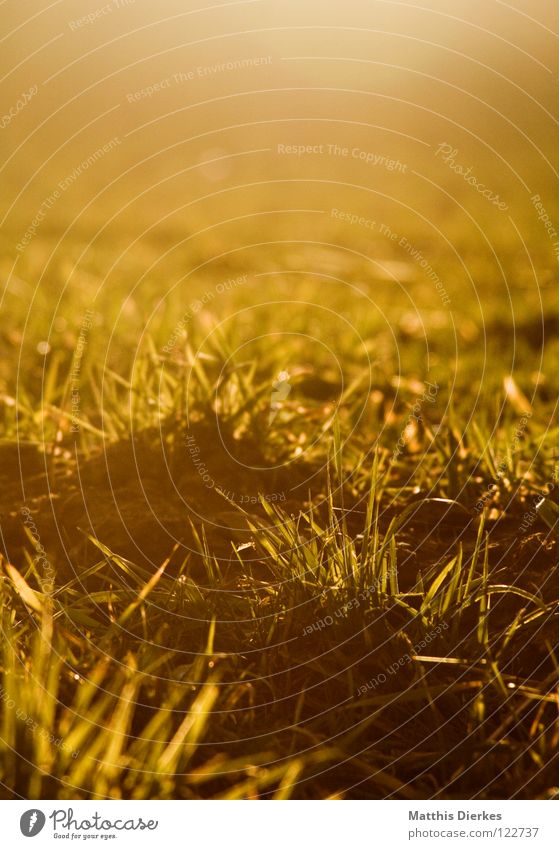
{"type": "Point", "coordinates": [150, 148]}
{"type": "Point", "coordinates": [238, 78]}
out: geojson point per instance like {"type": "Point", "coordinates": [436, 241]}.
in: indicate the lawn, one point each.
{"type": "Point", "coordinates": [279, 466]}
{"type": "Point", "coordinates": [207, 592]}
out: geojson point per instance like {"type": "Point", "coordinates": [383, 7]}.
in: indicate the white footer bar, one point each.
{"type": "Point", "coordinates": [280, 825]}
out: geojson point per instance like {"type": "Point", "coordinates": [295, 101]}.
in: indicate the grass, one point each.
{"type": "Point", "coordinates": [327, 615]}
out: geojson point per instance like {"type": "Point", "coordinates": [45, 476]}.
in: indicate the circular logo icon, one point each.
{"type": "Point", "coordinates": [32, 822]}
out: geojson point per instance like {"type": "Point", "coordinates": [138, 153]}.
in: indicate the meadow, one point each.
{"type": "Point", "coordinates": [351, 594]}
{"type": "Point", "coordinates": [278, 443]}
